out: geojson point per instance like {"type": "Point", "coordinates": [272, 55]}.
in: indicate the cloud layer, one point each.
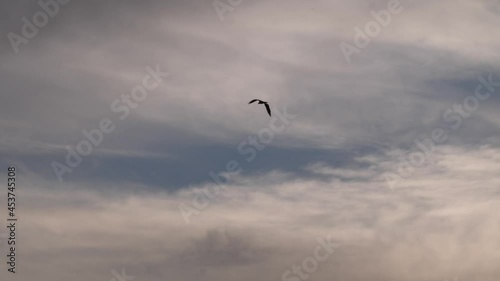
{"type": "Point", "coordinates": [321, 175]}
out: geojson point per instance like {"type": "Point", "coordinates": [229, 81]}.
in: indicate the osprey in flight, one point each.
{"type": "Point", "coordinates": [264, 103]}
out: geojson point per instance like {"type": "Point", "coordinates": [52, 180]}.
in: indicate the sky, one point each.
{"type": "Point", "coordinates": [138, 157]}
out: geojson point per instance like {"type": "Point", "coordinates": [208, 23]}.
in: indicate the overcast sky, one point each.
{"type": "Point", "coordinates": [388, 146]}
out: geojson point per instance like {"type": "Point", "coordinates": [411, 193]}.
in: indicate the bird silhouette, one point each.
{"type": "Point", "coordinates": [264, 103]}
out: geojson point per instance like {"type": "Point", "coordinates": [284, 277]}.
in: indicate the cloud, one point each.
{"type": "Point", "coordinates": [319, 177]}
{"type": "Point", "coordinates": [440, 223]}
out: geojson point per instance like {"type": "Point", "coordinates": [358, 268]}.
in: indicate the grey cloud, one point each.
{"type": "Point", "coordinates": [440, 223]}
{"type": "Point", "coordinates": [319, 176]}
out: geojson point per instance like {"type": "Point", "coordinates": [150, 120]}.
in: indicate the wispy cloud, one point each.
{"type": "Point", "coordinates": [320, 176]}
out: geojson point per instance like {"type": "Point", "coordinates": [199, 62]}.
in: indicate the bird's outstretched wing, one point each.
{"type": "Point", "coordinates": [252, 101]}
{"type": "Point", "coordinates": [268, 109]}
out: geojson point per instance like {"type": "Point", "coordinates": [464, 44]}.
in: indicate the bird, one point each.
{"type": "Point", "coordinates": [264, 103]}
